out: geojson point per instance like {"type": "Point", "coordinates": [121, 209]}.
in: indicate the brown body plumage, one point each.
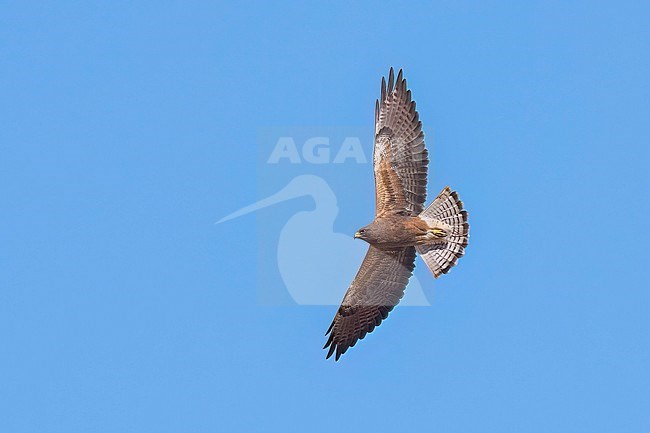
{"type": "Point", "coordinates": [401, 226]}
{"type": "Point", "coordinates": [396, 231]}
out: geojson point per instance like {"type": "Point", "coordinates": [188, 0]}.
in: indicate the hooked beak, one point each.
{"type": "Point", "coordinates": [357, 235]}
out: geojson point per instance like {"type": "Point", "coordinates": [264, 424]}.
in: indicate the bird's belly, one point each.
{"type": "Point", "coordinates": [398, 239]}
{"type": "Point", "coordinates": [399, 232]}
{"type": "Point", "coordinates": [408, 236]}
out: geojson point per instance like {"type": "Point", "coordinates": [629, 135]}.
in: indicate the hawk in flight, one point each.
{"type": "Point", "coordinates": [402, 225]}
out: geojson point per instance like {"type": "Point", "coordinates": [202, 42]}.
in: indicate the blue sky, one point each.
{"type": "Point", "coordinates": [128, 129]}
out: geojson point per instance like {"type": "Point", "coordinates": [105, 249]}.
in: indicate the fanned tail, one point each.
{"type": "Point", "coordinates": [448, 209]}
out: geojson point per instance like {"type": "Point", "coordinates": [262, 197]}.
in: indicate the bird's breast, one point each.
{"type": "Point", "coordinates": [399, 232]}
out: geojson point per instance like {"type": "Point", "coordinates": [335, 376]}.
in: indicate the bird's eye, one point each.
{"type": "Point", "coordinates": [362, 231]}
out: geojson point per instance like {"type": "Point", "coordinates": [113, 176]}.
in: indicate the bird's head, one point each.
{"type": "Point", "coordinates": [367, 233]}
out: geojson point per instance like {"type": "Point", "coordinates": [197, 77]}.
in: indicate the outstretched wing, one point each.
{"type": "Point", "coordinates": [400, 159]}
{"type": "Point", "coordinates": [377, 288]}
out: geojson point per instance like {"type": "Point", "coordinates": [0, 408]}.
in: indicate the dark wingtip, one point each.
{"type": "Point", "coordinates": [330, 328]}
{"type": "Point", "coordinates": [331, 351]}
{"type": "Point", "coordinates": [376, 111]}
{"type": "Point", "coordinates": [329, 341]}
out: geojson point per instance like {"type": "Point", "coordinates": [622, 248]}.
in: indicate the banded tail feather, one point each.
{"type": "Point", "coordinates": [448, 209]}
